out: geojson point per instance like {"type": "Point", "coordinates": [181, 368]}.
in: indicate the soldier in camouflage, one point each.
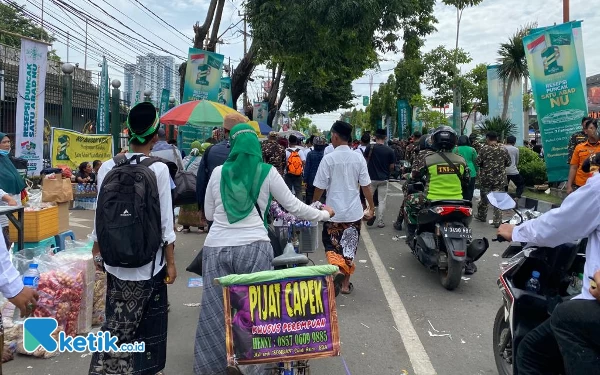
{"type": "Point", "coordinates": [274, 153]}
{"type": "Point", "coordinates": [578, 138]}
{"type": "Point", "coordinates": [492, 161]}
{"type": "Point", "coordinates": [474, 142]}
{"type": "Point", "coordinates": [413, 148]}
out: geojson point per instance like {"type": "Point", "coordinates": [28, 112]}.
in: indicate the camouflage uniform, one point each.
{"type": "Point", "coordinates": [477, 146]}
{"type": "Point", "coordinates": [492, 161]}
{"type": "Point", "coordinates": [419, 162]}
{"type": "Point", "coordinates": [411, 151]}
{"type": "Point", "coordinates": [274, 154]}
{"type": "Point", "coordinates": [576, 139]}
{"type": "Point", "coordinates": [417, 201]}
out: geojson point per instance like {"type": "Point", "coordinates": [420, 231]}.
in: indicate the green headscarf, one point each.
{"type": "Point", "coordinates": [243, 174]}
{"type": "Point", "coordinates": [10, 179]}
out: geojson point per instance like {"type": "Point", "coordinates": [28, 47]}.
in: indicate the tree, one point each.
{"type": "Point", "coordinates": [14, 20]}
{"type": "Point", "coordinates": [502, 127]}
{"type": "Point", "coordinates": [303, 124]}
{"type": "Point", "coordinates": [474, 93]}
{"type": "Point", "coordinates": [383, 103]}
{"type": "Point", "coordinates": [513, 64]}
{"type": "Point", "coordinates": [440, 73]}
{"type": "Point", "coordinates": [460, 6]}
{"type": "Point", "coordinates": [431, 118]}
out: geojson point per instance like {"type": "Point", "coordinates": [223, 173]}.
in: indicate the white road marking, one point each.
{"type": "Point", "coordinates": [397, 185]}
{"type": "Point", "coordinates": [416, 352]}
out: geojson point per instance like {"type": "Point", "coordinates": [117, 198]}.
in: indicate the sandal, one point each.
{"type": "Point", "coordinates": [338, 278]}
{"type": "Point", "coordinates": [350, 289]}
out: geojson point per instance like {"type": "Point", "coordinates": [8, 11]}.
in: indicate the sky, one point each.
{"type": "Point", "coordinates": [483, 28]}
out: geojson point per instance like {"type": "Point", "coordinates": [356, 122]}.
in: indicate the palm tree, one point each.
{"type": "Point", "coordinates": [513, 64]}
{"type": "Point", "coordinates": [500, 126]}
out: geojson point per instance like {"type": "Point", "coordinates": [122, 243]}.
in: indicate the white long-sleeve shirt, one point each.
{"type": "Point", "coordinates": [163, 180]}
{"type": "Point", "coordinates": [11, 283]}
{"type": "Point", "coordinates": [17, 197]}
{"type": "Point", "coordinates": [577, 217]}
{"type": "Point", "coordinates": [251, 228]}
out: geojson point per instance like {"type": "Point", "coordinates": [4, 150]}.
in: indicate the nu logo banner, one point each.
{"type": "Point", "coordinates": [38, 332]}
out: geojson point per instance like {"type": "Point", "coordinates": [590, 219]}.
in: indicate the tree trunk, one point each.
{"type": "Point", "coordinates": [274, 103]}
{"type": "Point", "coordinates": [241, 73]}
{"type": "Point", "coordinates": [507, 90]}
{"type": "Point", "coordinates": [201, 31]}
{"type": "Point", "coordinates": [212, 43]}
{"type": "Point", "coordinates": [182, 70]}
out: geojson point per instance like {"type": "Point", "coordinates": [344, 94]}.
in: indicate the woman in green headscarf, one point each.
{"type": "Point", "coordinates": [189, 216]}
{"type": "Point", "coordinates": [238, 197]}
{"type": "Point", "coordinates": [11, 184]}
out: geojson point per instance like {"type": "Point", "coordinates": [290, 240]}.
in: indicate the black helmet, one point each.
{"type": "Point", "coordinates": [444, 138]}
{"type": "Point", "coordinates": [425, 142]}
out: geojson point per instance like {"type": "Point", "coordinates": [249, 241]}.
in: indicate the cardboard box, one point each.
{"type": "Point", "coordinates": [63, 217]}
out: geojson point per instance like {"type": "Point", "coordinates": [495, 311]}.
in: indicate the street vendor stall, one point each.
{"type": "Point", "coordinates": [18, 222]}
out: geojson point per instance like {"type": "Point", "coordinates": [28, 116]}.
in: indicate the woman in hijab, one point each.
{"type": "Point", "coordinates": [238, 197]}
{"type": "Point", "coordinates": [188, 214]}
{"type": "Point", "coordinates": [11, 184]}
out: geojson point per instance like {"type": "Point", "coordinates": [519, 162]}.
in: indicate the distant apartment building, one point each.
{"type": "Point", "coordinates": [128, 88]}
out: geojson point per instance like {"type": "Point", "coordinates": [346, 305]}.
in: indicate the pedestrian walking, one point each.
{"type": "Point", "coordinates": [162, 149]}
{"type": "Point", "coordinates": [237, 201]}
{"type": "Point", "coordinates": [273, 153]}
{"type": "Point", "coordinates": [413, 148]}
{"type": "Point", "coordinates": [577, 177]}
{"type": "Point", "coordinates": [492, 162]}
{"type": "Point", "coordinates": [313, 160]}
{"type": "Point", "coordinates": [294, 166]}
{"type": "Point", "coordinates": [340, 173]}
{"type": "Point", "coordinates": [134, 243]}
{"type": "Point", "coordinates": [380, 163]}
{"type": "Point", "coordinates": [468, 153]}
{"type": "Point", "coordinates": [214, 156]}
{"type": "Point", "coordinates": [512, 171]}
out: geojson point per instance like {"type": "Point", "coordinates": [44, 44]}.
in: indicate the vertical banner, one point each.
{"type": "Point", "coordinates": [403, 124]}
{"type": "Point", "coordinates": [558, 92]}
{"type": "Point", "coordinates": [417, 125]}
{"type": "Point", "coordinates": [164, 101]}
{"type": "Point", "coordinates": [203, 75]}
{"type": "Point", "coordinates": [225, 96]}
{"type": "Point", "coordinates": [260, 111]}
{"type": "Point", "coordinates": [139, 83]}
{"type": "Point", "coordinates": [102, 124]}
{"type": "Point", "coordinates": [29, 140]}
{"type": "Point", "coordinates": [496, 88]}
{"type": "Point", "coordinates": [187, 134]}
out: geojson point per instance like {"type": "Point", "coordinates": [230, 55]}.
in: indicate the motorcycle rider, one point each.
{"type": "Point", "coordinates": [570, 338]}
{"type": "Point", "coordinates": [445, 176]}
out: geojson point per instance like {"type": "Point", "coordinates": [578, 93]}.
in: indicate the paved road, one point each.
{"type": "Point", "coordinates": [386, 325]}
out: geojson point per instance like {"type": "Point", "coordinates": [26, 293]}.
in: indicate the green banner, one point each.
{"type": "Point", "coordinates": [365, 101]}
{"type": "Point", "coordinates": [203, 76]}
{"type": "Point", "coordinates": [261, 111]}
{"type": "Point", "coordinates": [164, 101]}
{"type": "Point", "coordinates": [403, 117]}
{"type": "Point", "coordinates": [225, 96]}
{"type": "Point", "coordinates": [102, 118]}
{"type": "Point", "coordinates": [558, 92]}
{"type": "Point", "coordinates": [188, 134]}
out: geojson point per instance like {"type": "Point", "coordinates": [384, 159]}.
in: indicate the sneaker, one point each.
{"type": "Point", "coordinates": [381, 225]}
{"type": "Point", "coordinates": [398, 225]}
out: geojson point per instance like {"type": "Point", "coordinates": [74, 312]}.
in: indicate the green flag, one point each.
{"type": "Point", "coordinates": [164, 101]}
{"type": "Point", "coordinates": [102, 124]}
{"type": "Point", "coordinates": [365, 101]}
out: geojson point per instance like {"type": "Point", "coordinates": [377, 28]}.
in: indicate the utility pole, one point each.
{"type": "Point", "coordinates": [42, 31]}
{"type": "Point", "coordinates": [86, 36]}
{"type": "Point", "coordinates": [68, 35]}
{"type": "Point", "coordinates": [245, 97]}
{"type": "Point", "coordinates": [566, 15]}
{"type": "Point", "coordinates": [370, 86]}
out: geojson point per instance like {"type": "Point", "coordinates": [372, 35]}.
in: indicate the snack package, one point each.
{"type": "Point", "coordinates": [98, 316]}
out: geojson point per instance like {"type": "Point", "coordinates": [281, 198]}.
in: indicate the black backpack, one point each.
{"type": "Point", "coordinates": [128, 224]}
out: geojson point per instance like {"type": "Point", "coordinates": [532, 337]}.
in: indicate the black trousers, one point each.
{"type": "Point", "coordinates": [519, 182]}
{"type": "Point", "coordinates": [569, 339]}
{"type": "Point", "coordinates": [468, 195]}
{"type": "Point", "coordinates": [363, 199]}
{"type": "Point", "coordinates": [310, 193]}
{"type": "Point", "coordinates": [294, 183]}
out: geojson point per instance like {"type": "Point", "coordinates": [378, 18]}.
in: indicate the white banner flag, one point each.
{"type": "Point", "coordinates": [29, 140]}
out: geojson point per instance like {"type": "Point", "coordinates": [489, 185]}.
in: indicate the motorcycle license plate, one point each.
{"type": "Point", "coordinates": [457, 232]}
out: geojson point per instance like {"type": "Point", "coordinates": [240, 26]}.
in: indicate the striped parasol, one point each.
{"type": "Point", "coordinates": [197, 113]}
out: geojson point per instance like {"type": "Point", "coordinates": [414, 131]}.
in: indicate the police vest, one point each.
{"type": "Point", "coordinates": [443, 182]}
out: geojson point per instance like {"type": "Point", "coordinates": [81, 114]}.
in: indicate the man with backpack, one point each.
{"type": "Point", "coordinates": [134, 243]}
{"type": "Point", "coordinates": [295, 160]}
{"type": "Point", "coordinates": [380, 163]}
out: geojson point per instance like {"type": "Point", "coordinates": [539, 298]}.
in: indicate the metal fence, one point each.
{"type": "Point", "coordinates": [85, 97]}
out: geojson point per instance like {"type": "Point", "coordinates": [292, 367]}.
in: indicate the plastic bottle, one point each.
{"type": "Point", "coordinates": [533, 285]}
{"type": "Point", "coordinates": [31, 278]}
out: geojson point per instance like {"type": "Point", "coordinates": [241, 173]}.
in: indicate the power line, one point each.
{"type": "Point", "coordinates": [165, 22]}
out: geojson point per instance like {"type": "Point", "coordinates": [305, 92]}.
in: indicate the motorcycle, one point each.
{"type": "Point", "coordinates": [400, 168]}
{"type": "Point", "coordinates": [523, 310]}
{"type": "Point", "coordinates": [443, 241]}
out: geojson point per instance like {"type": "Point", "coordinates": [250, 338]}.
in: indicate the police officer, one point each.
{"type": "Point", "coordinates": [442, 180]}
{"type": "Point", "coordinates": [492, 161]}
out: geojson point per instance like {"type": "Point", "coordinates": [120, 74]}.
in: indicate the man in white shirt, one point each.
{"type": "Point", "coordinates": [572, 332]}
{"type": "Point", "coordinates": [340, 173]}
{"type": "Point", "coordinates": [136, 307]}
